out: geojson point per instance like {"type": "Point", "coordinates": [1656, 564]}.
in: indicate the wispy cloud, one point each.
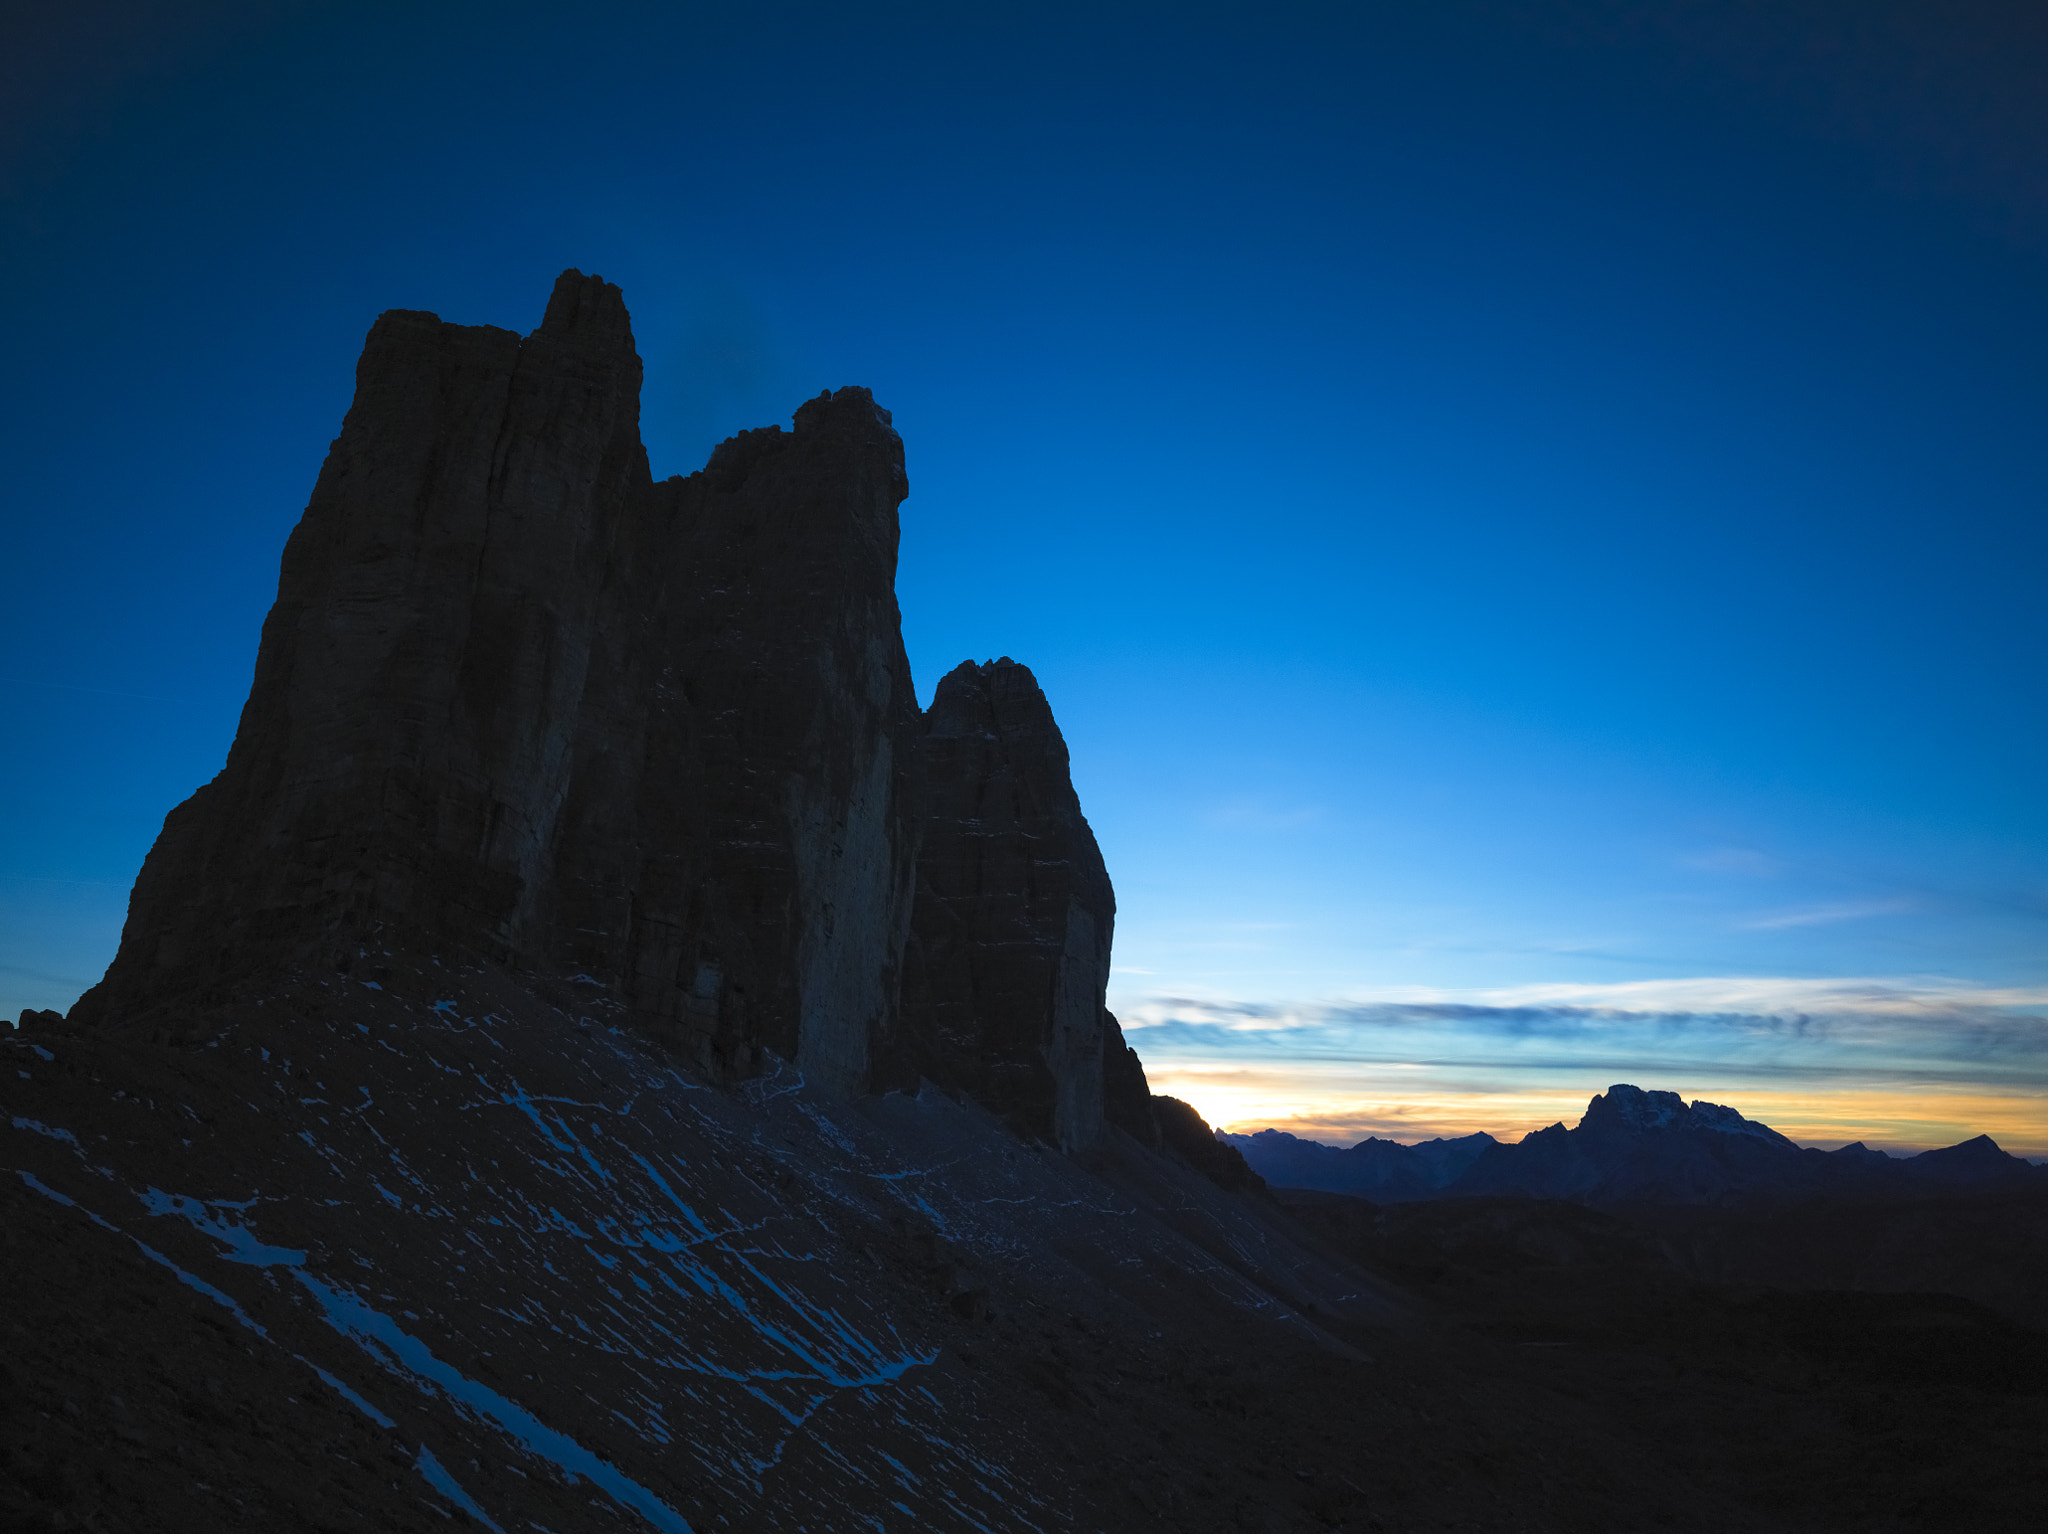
{"type": "Point", "coordinates": [1768, 999]}
{"type": "Point", "coordinates": [1821, 915]}
{"type": "Point", "coordinates": [1769, 994]}
{"type": "Point", "coordinates": [1904, 1058]}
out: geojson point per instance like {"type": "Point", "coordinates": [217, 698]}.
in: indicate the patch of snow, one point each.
{"type": "Point", "coordinates": [36, 1128]}
{"type": "Point", "coordinates": [446, 1484]}
{"type": "Point", "coordinates": [389, 1345]}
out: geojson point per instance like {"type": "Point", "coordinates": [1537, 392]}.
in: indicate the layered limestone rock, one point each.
{"type": "Point", "coordinates": [736, 850]}
{"type": "Point", "coordinates": [1010, 936]}
{"type": "Point", "coordinates": [1127, 1100]}
{"type": "Point", "coordinates": [519, 704]}
{"type": "Point", "coordinates": [407, 742]}
{"type": "Point", "coordinates": [516, 701]}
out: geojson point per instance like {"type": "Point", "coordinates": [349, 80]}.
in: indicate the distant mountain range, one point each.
{"type": "Point", "coordinates": [1631, 1146]}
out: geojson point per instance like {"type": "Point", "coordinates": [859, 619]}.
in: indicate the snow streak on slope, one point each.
{"type": "Point", "coordinates": [566, 1268]}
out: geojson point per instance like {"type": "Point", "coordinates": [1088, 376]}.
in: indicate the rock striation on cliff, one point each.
{"type": "Point", "coordinates": [519, 703]}
{"type": "Point", "coordinates": [1008, 957]}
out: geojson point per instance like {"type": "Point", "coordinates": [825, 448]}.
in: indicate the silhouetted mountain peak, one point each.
{"type": "Point", "coordinates": [1630, 1107]}
{"type": "Point", "coordinates": [1631, 1147]}
{"type": "Point", "coordinates": [1633, 1110]}
{"type": "Point", "coordinates": [1384, 1170]}
{"type": "Point", "coordinates": [1975, 1160]}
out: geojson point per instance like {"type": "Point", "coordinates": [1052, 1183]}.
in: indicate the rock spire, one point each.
{"type": "Point", "coordinates": [517, 703]}
{"type": "Point", "coordinates": [1010, 937]}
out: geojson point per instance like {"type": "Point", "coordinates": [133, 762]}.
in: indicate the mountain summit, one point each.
{"type": "Point", "coordinates": [1630, 1146]}
{"type": "Point", "coordinates": [1624, 1110]}
{"type": "Point", "coordinates": [518, 702]}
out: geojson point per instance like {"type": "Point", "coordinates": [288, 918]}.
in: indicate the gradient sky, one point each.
{"type": "Point", "coordinates": [1531, 516]}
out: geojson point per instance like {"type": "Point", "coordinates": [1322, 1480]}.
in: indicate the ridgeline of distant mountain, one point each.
{"type": "Point", "coordinates": [1631, 1147]}
{"type": "Point", "coordinates": [1385, 1171]}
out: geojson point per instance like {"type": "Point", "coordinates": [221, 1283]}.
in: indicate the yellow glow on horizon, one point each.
{"type": "Point", "coordinates": [1415, 1103]}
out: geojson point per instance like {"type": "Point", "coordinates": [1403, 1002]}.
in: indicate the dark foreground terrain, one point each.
{"type": "Point", "coordinates": [242, 1293]}
{"type": "Point", "coordinates": [1804, 1406]}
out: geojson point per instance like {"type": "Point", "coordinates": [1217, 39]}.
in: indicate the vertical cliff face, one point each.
{"type": "Point", "coordinates": [736, 851]}
{"type": "Point", "coordinates": [1127, 1100]}
{"type": "Point", "coordinates": [518, 703]}
{"type": "Point", "coordinates": [1010, 936]}
{"type": "Point", "coordinates": [407, 741]}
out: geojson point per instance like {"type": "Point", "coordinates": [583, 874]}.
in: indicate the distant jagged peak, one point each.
{"type": "Point", "coordinates": [1375, 1168]}
{"type": "Point", "coordinates": [1632, 1146]}
{"type": "Point", "coordinates": [1968, 1160]}
{"type": "Point", "coordinates": [1630, 1109]}
{"type": "Point", "coordinates": [1276, 1137]}
{"type": "Point", "coordinates": [1478, 1139]}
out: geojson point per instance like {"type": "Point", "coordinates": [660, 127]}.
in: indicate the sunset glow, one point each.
{"type": "Point", "coordinates": [1900, 1067]}
{"type": "Point", "coordinates": [1411, 1106]}
{"type": "Point", "coordinates": [1530, 527]}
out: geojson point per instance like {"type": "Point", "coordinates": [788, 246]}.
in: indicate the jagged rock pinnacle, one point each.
{"type": "Point", "coordinates": [520, 704]}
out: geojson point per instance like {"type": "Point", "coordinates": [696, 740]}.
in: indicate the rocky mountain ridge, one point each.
{"type": "Point", "coordinates": [1384, 1170]}
{"type": "Point", "coordinates": [1631, 1146]}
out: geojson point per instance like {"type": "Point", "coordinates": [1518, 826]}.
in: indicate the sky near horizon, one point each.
{"type": "Point", "coordinates": [1530, 516]}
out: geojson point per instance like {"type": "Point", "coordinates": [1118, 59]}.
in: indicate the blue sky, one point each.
{"type": "Point", "coordinates": [1501, 496]}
